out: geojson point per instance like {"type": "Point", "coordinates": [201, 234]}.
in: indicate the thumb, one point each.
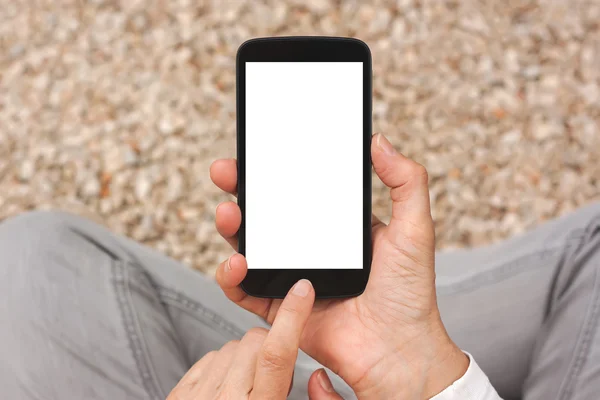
{"type": "Point", "coordinates": [411, 230]}
{"type": "Point", "coordinates": [320, 387]}
{"type": "Point", "coordinates": [406, 179]}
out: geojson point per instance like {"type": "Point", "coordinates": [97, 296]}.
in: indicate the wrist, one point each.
{"type": "Point", "coordinates": [448, 367]}
{"type": "Point", "coordinates": [420, 368]}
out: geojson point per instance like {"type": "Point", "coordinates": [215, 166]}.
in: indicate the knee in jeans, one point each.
{"type": "Point", "coordinates": [34, 234]}
{"type": "Point", "coordinates": [34, 222]}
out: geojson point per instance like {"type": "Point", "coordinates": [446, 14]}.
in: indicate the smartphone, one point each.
{"type": "Point", "coordinates": [304, 164]}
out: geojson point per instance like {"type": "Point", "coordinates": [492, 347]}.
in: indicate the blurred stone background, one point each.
{"type": "Point", "coordinates": [115, 109]}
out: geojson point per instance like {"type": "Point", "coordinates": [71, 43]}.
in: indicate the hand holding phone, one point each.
{"type": "Point", "coordinates": [389, 342]}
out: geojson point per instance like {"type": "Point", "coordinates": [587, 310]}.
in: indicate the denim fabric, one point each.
{"type": "Point", "coordinates": [86, 314]}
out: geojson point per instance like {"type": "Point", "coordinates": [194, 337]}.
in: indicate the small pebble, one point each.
{"type": "Point", "coordinates": [26, 171]}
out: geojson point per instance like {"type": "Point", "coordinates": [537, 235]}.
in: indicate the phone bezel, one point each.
{"type": "Point", "coordinates": [328, 283]}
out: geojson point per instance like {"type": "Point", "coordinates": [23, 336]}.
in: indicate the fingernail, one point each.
{"type": "Point", "coordinates": [228, 265]}
{"type": "Point", "coordinates": [385, 145]}
{"type": "Point", "coordinates": [325, 382]}
{"type": "Point", "coordinates": [301, 288]}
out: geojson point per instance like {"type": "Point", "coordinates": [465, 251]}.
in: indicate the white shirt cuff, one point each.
{"type": "Point", "coordinates": [473, 385]}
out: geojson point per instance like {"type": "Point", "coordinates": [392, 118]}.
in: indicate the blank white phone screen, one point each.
{"type": "Point", "coordinates": [304, 165]}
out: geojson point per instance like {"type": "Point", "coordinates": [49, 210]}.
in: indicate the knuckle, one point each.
{"type": "Point", "coordinates": [413, 242]}
{"type": "Point", "coordinates": [210, 354]}
{"type": "Point", "coordinates": [286, 309]}
{"type": "Point", "coordinates": [401, 256]}
{"type": "Point", "coordinates": [419, 172]}
{"type": "Point", "coordinates": [256, 334]}
{"type": "Point", "coordinates": [275, 358]}
{"type": "Point", "coordinates": [207, 357]}
{"type": "Point", "coordinates": [229, 346]}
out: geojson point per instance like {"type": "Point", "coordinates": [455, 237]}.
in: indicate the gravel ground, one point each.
{"type": "Point", "coordinates": [115, 110]}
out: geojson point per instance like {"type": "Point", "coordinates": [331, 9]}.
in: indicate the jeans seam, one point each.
{"type": "Point", "coordinates": [583, 342]}
{"type": "Point", "coordinates": [194, 308]}
{"type": "Point", "coordinates": [503, 270]}
{"type": "Point", "coordinates": [494, 275]}
{"type": "Point", "coordinates": [133, 332]}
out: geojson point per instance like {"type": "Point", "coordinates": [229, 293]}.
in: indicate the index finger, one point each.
{"type": "Point", "coordinates": [275, 365]}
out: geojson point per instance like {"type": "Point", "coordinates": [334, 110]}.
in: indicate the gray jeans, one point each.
{"type": "Point", "coordinates": [85, 314]}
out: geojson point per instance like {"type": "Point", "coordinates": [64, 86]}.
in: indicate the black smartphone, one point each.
{"type": "Point", "coordinates": [304, 164]}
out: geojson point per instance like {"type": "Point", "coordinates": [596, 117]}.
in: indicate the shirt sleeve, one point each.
{"type": "Point", "coordinates": [473, 385]}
